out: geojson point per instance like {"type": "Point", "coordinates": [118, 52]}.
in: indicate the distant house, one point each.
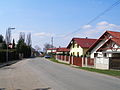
{"type": "Point", "coordinates": [51, 50]}
{"type": "Point", "coordinates": [106, 51]}
{"type": "Point", "coordinates": [79, 46]}
{"type": "Point", "coordinates": [63, 51]}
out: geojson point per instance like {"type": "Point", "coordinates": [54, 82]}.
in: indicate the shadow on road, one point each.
{"type": "Point", "coordinates": [8, 63]}
{"type": "Point", "coordinates": [42, 88]}
{"type": "Point", "coordinates": [2, 88]}
{"type": "Point", "coordinates": [32, 89]}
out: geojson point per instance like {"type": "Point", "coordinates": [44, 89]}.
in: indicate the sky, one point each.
{"type": "Point", "coordinates": [58, 18]}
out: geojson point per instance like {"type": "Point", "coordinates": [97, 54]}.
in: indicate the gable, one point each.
{"type": "Point", "coordinates": [107, 35]}
{"type": "Point", "coordinates": [112, 44]}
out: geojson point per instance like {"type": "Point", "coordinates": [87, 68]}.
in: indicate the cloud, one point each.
{"type": "Point", "coordinates": [102, 23]}
{"type": "Point", "coordinates": [43, 34]}
{"type": "Point", "coordinates": [98, 29]}
{"type": "Point", "coordinates": [87, 27]}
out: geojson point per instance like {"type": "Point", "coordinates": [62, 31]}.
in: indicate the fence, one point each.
{"type": "Point", "coordinates": [11, 56]}
{"type": "Point", "coordinates": [78, 61]}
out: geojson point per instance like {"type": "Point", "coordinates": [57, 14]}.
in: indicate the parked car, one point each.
{"type": "Point", "coordinates": [47, 56]}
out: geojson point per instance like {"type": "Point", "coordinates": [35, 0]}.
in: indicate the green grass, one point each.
{"type": "Point", "coordinates": [108, 72]}
{"type": "Point", "coordinates": [115, 73]}
{"type": "Point", "coordinates": [54, 60]}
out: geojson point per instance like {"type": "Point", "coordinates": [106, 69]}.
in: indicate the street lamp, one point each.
{"type": "Point", "coordinates": [8, 36]}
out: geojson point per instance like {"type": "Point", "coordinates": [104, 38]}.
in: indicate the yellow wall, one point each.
{"type": "Point", "coordinates": [75, 50]}
{"type": "Point", "coordinates": [85, 50]}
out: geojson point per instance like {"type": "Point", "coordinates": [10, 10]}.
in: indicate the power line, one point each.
{"type": "Point", "coordinates": [98, 16]}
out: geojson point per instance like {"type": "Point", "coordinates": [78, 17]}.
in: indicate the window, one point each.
{"type": "Point", "coordinates": [77, 45]}
{"type": "Point", "coordinates": [77, 54]}
{"type": "Point", "coordinates": [105, 55]}
{"type": "Point", "coordinates": [95, 54]}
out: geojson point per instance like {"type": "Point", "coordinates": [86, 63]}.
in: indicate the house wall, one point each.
{"type": "Point", "coordinates": [75, 50]}
{"type": "Point", "coordinates": [115, 46]}
{"type": "Point", "coordinates": [85, 50]}
{"type": "Point", "coordinates": [96, 48]}
{"type": "Point", "coordinates": [49, 51]}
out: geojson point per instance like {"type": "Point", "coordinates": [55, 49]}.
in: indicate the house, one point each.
{"type": "Point", "coordinates": [51, 50]}
{"type": "Point", "coordinates": [79, 46]}
{"type": "Point", "coordinates": [63, 54]}
{"type": "Point", "coordinates": [63, 51]}
{"type": "Point", "coordinates": [106, 51]}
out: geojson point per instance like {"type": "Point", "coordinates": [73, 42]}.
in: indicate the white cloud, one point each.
{"type": "Point", "coordinates": [87, 27]}
{"type": "Point", "coordinates": [98, 29]}
{"type": "Point", "coordinates": [43, 34]}
{"type": "Point", "coordinates": [102, 23]}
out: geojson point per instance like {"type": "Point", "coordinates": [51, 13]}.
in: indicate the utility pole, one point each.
{"type": "Point", "coordinates": [52, 44]}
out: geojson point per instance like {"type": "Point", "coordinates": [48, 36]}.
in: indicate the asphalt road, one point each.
{"type": "Point", "coordinates": [41, 74]}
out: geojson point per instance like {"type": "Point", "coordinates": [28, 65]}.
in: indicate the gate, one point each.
{"type": "Point", "coordinates": [114, 63]}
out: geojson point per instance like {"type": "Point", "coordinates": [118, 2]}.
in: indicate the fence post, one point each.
{"type": "Point", "coordinates": [82, 61]}
{"type": "Point", "coordinates": [69, 59]}
{"type": "Point", "coordinates": [72, 60]}
{"type": "Point", "coordinates": [56, 57]}
{"type": "Point", "coordinates": [86, 61]}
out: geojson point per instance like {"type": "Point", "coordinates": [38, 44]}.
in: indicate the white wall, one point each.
{"type": "Point", "coordinates": [49, 51]}
{"type": "Point", "coordinates": [96, 48]}
{"type": "Point", "coordinates": [101, 63]}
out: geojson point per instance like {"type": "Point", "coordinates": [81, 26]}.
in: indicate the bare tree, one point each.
{"type": "Point", "coordinates": [22, 36]}
{"type": "Point", "coordinates": [47, 46]}
{"type": "Point", "coordinates": [28, 40]}
{"type": "Point", "coordinates": [37, 48]}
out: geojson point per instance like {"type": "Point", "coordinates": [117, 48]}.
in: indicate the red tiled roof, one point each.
{"type": "Point", "coordinates": [63, 50]}
{"type": "Point", "coordinates": [117, 41]}
{"type": "Point", "coordinates": [112, 33]}
{"type": "Point", "coordinates": [83, 42]}
{"type": "Point", "coordinates": [52, 49]}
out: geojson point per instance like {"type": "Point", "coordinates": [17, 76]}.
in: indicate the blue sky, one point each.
{"type": "Point", "coordinates": [57, 18]}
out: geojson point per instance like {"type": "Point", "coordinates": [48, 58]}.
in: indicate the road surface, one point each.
{"type": "Point", "coordinates": [41, 74]}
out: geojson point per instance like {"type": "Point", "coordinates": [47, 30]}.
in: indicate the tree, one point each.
{"type": "Point", "coordinates": [28, 40]}
{"type": "Point", "coordinates": [22, 47]}
{"type": "Point", "coordinates": [8, 36]}
{"type": "Point", "coordinates": [1, 39]}
{"type": "Point", "coordinates": [13, 44]}
{"type": "Point", "coordinates": [47, 46]}
{"type": "Point", "coordinates": [22, 36]}
{"type": "Point", "coordinates": [37, 48]}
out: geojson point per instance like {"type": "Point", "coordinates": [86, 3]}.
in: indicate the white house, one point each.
{"type": "Point", "coordinates": [51, 50]}
{"type": "Point", "coordinates": [106, 51]}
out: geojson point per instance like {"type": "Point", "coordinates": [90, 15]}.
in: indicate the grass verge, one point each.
{"type": "Point", "coordinates": [108, 72]}
{"type": "Point", "coordinates": [115, 73]}
{"type": "Point", "coordinates": [54, 60]}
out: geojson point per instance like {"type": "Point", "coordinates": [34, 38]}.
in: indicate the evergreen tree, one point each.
{"type": "Point", "coordinates": [13, 44]}
{"type": "Point", "coordinates": [1, 39]}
